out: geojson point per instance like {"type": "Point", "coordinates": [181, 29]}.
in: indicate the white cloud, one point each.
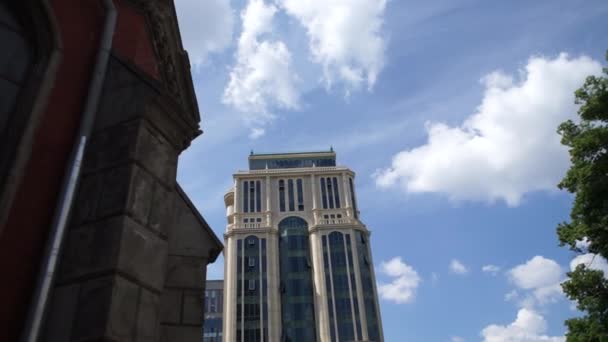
{"type": "Point", "coordinates": [540, 276]}
{"type": "Point", "coordinates": [262, 77]}
{"type": "Point", "coordinates": [529, 326]}
{"type": "Point", "coordinates": [458, 267]}
{"type": "Point", "coordinates": [206, 27]}
{"type": "Point", "coordinates": [508, 147]}
{"type": "Point", "coordinates": [492, 269]}
{"type": "Point", "coordinates": [403, 288]}
{"type": "Point", "coordinates": [512, 295]}
{"type": "Point", "coordinates": [592, 261]}
{"type": "Point", "coordinates": [457, 339]}
{"type": "Point", "coordinates": [344, 37]}
{"type": "Point", "coordinates": [256, 132]}
{"type": "Point", "coordinates": [583, 244]}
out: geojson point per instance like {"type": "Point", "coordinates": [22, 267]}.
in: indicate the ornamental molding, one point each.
{"type": "Point", "coordinates": [173, 62]}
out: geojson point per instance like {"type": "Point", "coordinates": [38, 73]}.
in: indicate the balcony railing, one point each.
{"type": "Point", "coordinates": [293, 170]}
{"type": "Point", "coordinates": [245, 220]}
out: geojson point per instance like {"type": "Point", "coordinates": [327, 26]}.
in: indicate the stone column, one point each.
{"type": "Point", "coordinates": [114, 264]}
{"type": "Point", "coordinates": [268, 203]}
{"type": "Point", "coordinates": [346, 195]}
{"type": "Point", "coordinates": [313, 186]}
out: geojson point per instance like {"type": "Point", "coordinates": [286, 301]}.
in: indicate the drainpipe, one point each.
{"type": "Point", "coordinates": [38, 307]}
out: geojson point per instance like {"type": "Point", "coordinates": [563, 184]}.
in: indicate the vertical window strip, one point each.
{"type": "Point", "coordinates": [246, 196]}
{"type": "Point", "coordinates": [252, 290]}
{"type": "Point", "coordinates": [281, 195]}
{"type": "Point", "coordinates": [336, 192]}
{"type": "Point", "coordinates": [323, 193]}
{"type": "Point", "coordinates": [368, 299]}
{"type": "Point", "coordinates": [265, 291]}
{"type": "Point", "coordinates": [328, 289]}
{"type": "Point", "coordinates": [353, 284]}
{"type": "Point", "coordinates": [330, 195]}
{"type": "Point", "coordinates": [258, 196]}
{"type": "Point", "coordinates": [290, 193]}
{"type": "Point", "coordinates": [252, 196]}
{"type": "Point", "coordinates": [341, 288]}
{"type": "Point", "coordinates": [300, 194]}
{"type": "Point", "coordinates": [239, 288]}
{"type": "Point", "coordinates": [352, 197]}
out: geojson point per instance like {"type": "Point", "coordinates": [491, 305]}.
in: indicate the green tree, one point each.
{"type": "Point", "coordinates": [587, 178]}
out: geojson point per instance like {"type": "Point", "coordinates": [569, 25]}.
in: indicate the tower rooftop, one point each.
{"type": "Point", "coordinates": [260, 161]}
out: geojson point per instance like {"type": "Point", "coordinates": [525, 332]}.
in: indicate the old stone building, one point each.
{"type": "Point", "coordinates": [98, 242]}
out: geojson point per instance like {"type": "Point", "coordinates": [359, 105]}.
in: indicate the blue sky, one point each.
{"type": "Point", "coordinates": [447, 112]}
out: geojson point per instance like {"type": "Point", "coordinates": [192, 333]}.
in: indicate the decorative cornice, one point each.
{"type": "Point", "coordinates": [174, 65]}
{"type": "Point", "coordinates": [249, 231]}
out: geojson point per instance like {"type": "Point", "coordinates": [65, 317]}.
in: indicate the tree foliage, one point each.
{"type": "Point", "coordinates": [587, 178]}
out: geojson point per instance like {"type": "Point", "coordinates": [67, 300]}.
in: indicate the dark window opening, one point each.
{"type": "Point", "coordinates": [330, 195]}
{"type": "Point", "coordinates": [290, 194]}
{"type": "Point", "coordinates": [281, 195]}
{"type": "Point", "coordinates": [246, 196]}
{"type": "Point", "coordinates": [258, 196]}
{"type": "Point", "coordinates": [323, 193]}
{"type": "Point", "coordinates": [300, 195]}
{"type": "Point", "coordinates": [336, 192]}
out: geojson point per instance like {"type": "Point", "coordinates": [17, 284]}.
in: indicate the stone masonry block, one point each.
{"type": "Point", "coordinates": [185, 272]}
{"type": "Point", "coordinates": [192, 310]}
{"type": "Point", "coordinates": [171, 306]}
{"type": "Point", "coordinates": [140, 198]}
{"type": "Point", "coordinates": [122, 319]}
{"type": "Point", "coordinates": [111, 146]}
{"type": "Point", "coordinates": [143, 255]}
{"type": "Point", "coordinates": [117, 243]}
{"type": "Point", "coordinates": [148, 317]}
{"type": "Point", "coordinates": [156, 154]}
{"type": "Point", "coordinates": [93, 309]}
{"type": "Point", "coordinates": [161, 213]}
{"type": "Point", "coordinates": [89, 192]}
{"type": "Point", "coordinates": [60, 317]}
{"type": "Point", "coordinates": [115, 193]}
{"type": "Point", "coordinates": [91, 249]}
{"type": "Point", "coordinates": [180, 334]}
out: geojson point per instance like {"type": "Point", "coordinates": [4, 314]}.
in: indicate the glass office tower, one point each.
{"type": "Point", "coordinates": [298, 263]}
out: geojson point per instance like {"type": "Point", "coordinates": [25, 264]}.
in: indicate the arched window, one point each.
{"type": "Point", "coordinates": [28, 61]}
{"type": "Point", "coordinates": [297, 301]}
{"type": "Point", "coordinates": [15, 60]}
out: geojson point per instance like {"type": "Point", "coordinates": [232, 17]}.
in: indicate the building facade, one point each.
{"type": "Point", "coordinates": [298, 261]}
{"type": "Point", "coordinates": [213, 308]}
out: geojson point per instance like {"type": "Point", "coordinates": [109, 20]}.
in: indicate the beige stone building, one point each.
{"type": "Point", "coordinates": [298, 263]}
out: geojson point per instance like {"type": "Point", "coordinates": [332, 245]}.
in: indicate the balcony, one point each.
{"type": "Point", "coordinates": [249, 220]}
{"type": "Point", "coordinates": [334, 217]}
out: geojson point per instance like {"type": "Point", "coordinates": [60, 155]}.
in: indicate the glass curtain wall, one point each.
{"type": "Point", "coordinates": [297, 301]}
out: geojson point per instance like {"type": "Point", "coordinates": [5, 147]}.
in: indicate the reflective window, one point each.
{"type": "Point", "coordinates": [341, 289]}
{"type": "Point", "coordinates": [15, 59]}
{"type": "Point", "coordinates": [251, 196]}
{"type": "Point", "coordinates": [330, 193]}
{"type": "Point", "coordinates": [260, 164]}
{"type": "Point", "coordinates": [367, 288]}
{"type": "Point", "coordinates": [297, 301]}
{"type": "Point", "coordinates": [352, 197]}
{"type": "Point", "coordinates": [258, 196]}
{"type": "Point", "coordinates": [323, 193]}
{"type": "Point", "coordinates": [300, 195]}
{"type": "Point", "coordinates": [252, 300]}
{"type": "Point", "coordinates": [281, 195]}
{"type": "Point", "coordinates": [246, 196]}
{"type": "Point", "coordinates": [290, 194]}
{"type": "Point", "coordinates": [336, 192]}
